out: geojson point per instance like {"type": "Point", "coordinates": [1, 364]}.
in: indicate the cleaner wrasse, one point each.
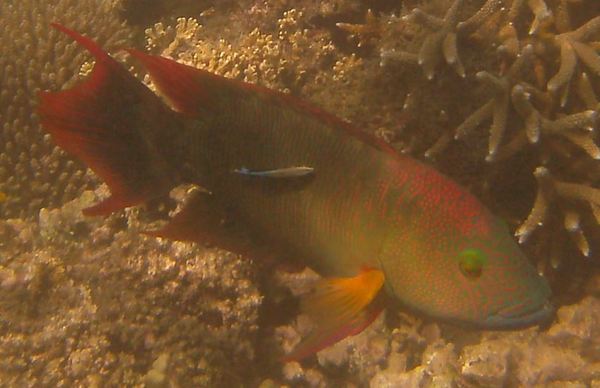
{"type": "Point", "coordinates": [380, 227]}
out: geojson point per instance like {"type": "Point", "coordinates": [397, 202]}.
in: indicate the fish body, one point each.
{"type": "Point", "coordinates": [366, 205]}
{"type": "Point", "coordinates": [318, 216]}
{"type": "Point", "coordinates": [375, 222]}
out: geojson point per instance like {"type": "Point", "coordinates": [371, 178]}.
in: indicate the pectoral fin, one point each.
{"type": "Point", "coordinates": [340, 307]}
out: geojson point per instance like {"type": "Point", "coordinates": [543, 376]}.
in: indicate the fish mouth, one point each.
{"type": "Point", "coordinates": [521, 315]}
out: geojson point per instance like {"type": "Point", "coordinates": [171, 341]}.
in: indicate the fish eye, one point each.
{"type": "Point", "coordinates": [471, 262]}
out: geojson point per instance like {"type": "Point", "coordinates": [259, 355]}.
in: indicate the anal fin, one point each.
{"type": "Point", "coordinates": [340, 307]}
{"type": "Point", "coordinates": [203, 221]}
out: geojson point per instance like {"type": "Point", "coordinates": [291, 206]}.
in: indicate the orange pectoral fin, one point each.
{"type": "Point", "coordinates": [340, 307]}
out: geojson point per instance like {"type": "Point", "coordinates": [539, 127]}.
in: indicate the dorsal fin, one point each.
{"type": "Point", "coordinates": [178, 83]}
{"type": "Point", "coordinates": [188, 89]}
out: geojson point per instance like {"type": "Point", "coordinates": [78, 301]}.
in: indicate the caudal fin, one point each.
{"type": "Point", "coordinates": [114, 124]}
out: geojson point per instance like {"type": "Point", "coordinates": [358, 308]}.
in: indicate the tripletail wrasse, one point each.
{"type": "Point", "coordinates": [380, 227]}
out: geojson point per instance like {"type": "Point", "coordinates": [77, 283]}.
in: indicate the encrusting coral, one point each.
{"type": "Point", "coordinates": [33, 172]}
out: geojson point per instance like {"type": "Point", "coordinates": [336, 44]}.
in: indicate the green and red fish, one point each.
{"type": "Point", "coordinates": [379, 226]}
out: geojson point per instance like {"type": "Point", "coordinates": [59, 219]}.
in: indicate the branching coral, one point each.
{"type": "Point", "coordinates": [577, 128]}
{"type": "Point", "coordinates": [550, 191]}
{"type": "Point", "coordinates": [536, 119]}
{"type": "Point", "coordinates": [440, 42]}
{"type": "Point", "coordinates": [258, 57]}
{"type": "Point", "coordinates": [574, 49]}
{"type": "Point", "coordinates": [560, 117]}
{"type": "Point", "coordinates": [498, 107]}
{"type": "Point", "coordinates": [365, 33]}
{"type": "Point", "coordinates": [33, 57]}
{"type": "Point", "coordinates": [479, 18]}
{"type": "Point", "coordinates": [291, 59]}
{"type": "Point", "coordinates": [511, 84]}
{"type": "Point", "coordinates": [542, 16]}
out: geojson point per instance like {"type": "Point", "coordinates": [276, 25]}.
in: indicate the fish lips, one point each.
{"type": "Point", "coordinates": [520, 316]}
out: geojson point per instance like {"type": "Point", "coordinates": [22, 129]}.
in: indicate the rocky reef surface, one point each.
{"type": "Point", "coordinates": [93, 302]}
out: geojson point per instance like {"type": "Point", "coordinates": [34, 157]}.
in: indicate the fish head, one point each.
{"type": "Point", "coordinates": [479, 279]}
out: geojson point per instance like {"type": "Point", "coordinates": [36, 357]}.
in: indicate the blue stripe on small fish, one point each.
{"type": "Point", "coordinates": [288, 172]}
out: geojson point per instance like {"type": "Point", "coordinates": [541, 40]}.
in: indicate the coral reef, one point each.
{"type": "Point", "coordinates": [92, 302]}
{"type": "Point", "coordinates": [274, 59]}
{"type": "Point", "coordinates": [441, 40]}
{"type": "Point", "coordinates": [33, 57]}
{"type": "Point", "coordinates": [499, 94]}
{"type": "Point", "coordinates": [535, 65]}
{"type": "Point", "coordinates": [500, 53]}
{"type": "Point", "coordinates": [497, 108]}
{"type": "Point", "coordinates": [497, 52]}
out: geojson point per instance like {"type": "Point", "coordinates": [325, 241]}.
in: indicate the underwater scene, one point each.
{"type": "Point", "coordinates": [300, 193]}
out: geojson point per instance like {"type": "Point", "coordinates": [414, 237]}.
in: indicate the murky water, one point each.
{"type": "Point", "coordinates": [501, 96]}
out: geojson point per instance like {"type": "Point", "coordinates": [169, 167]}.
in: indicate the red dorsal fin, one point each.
{"type": "Point", "coordinates": [190, 90]}
{"type": "Point", "coordinates": [177, 82]}
{"type": "Point", "coordinates": [106, 121]}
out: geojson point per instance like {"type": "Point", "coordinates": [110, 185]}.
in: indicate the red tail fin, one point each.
{"type": "Point", "coordinates": [112, 122]}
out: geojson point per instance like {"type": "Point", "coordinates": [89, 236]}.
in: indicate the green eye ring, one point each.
{"type": "Point", "coordinates": [471, 263]}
